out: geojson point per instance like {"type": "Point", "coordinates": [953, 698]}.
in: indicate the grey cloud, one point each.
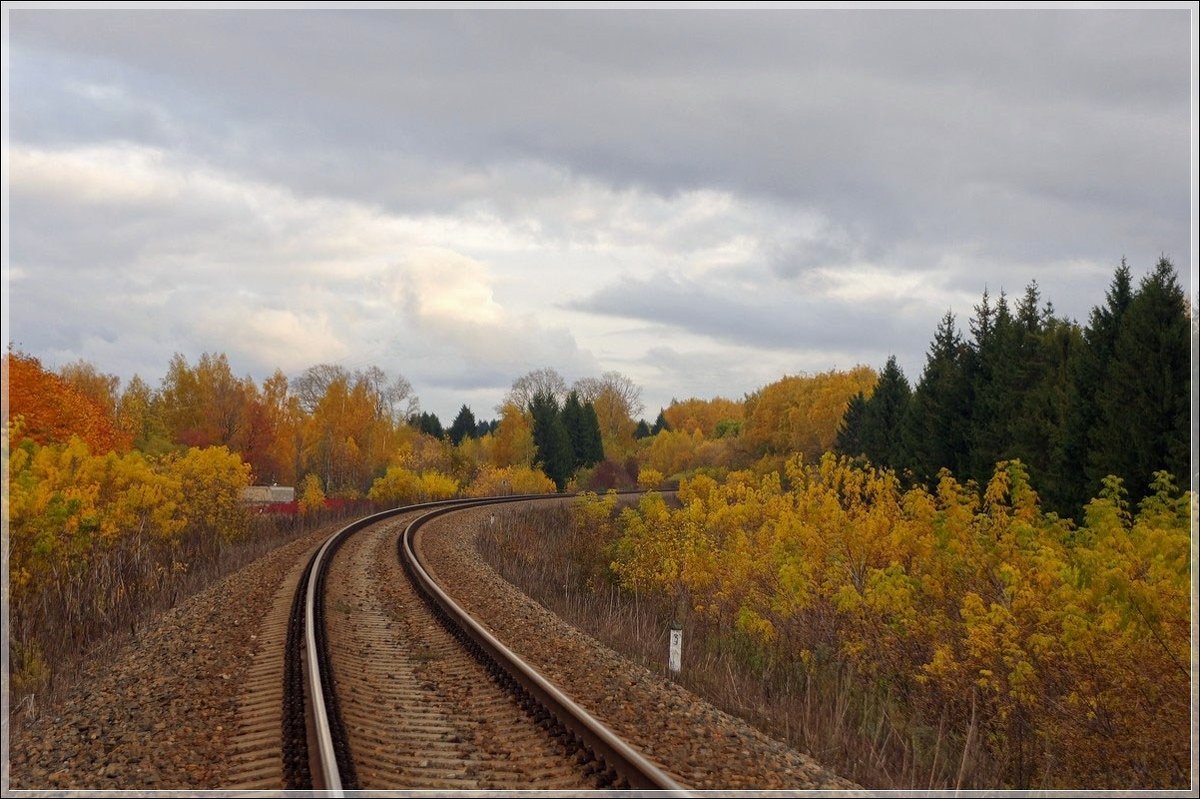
{"type": "Point", "coordinates": [984, 147]}
{"type": "Point", "coordinates": [763, 318]}
{"type": "Point", "coordinates": [875, 118]}
{"type": "Point", "coordinates": [796, 259]}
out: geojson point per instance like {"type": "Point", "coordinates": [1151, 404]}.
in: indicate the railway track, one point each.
{"type": "Point", "coordinates": [389, 684]}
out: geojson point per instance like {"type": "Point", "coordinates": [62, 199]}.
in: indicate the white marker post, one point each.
{"type": "Point", "coordinates": [675, 656]}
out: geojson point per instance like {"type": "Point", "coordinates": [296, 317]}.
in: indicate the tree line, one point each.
{"type": "Point", "coordinates": [1074, 403]}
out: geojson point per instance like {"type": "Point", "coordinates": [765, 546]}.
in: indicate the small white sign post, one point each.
{"type": "Point", "coordinates": [675, 656]}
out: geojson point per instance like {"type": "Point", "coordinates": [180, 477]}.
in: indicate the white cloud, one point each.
{"type": "Point", "coordinates": [287, 339]}
{"type": "Point", "coordinates": [445, 287]}
{"type": "Point", "coordinates": [103, 175]}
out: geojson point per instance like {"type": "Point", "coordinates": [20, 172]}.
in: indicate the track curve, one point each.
{"type": "Point", "coordinates": [407, 701]}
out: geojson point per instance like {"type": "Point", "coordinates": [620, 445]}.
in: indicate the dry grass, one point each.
{"type": "Point", "coordinates": [863, 734]}
{"type": "Point", "coordinates": [86, 616]}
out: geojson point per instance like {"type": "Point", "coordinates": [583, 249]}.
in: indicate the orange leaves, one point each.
{"type": "Point", "coordinates": [52, 410]}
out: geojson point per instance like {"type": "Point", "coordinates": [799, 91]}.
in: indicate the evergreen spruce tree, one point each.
{"type": "Point", "coordinates": [1143, 401]}
{"type": "Point", "coordinates": [427, 423]}
{"type": "Point", "coordinates": [593, 447]}
{"type": "Point", "coordinates": [463, 426]}
{"type": "Point", "coordinates": [935, 428]}
{"type": "Point", "coordinates": [849, 434]}
{"type": "Point", "coordinates": [1020, 374]}
{"type": "Point", "coordinates": [1040, 430]}
{"type": "Point", "coordinates": [660, 424]}
{"type": "Point", "coordinates": [572, 417]}
{"type": "Point", "coordinates": [550, 439]}
{"type": "Point", "coordinates": [994, 374]}
{"type": "Point", "coordinates": [1091, 374]}
{"type": "Point", "coordinates": [583, 428]}
{"type": "Point", "coordinates": [883, 417]}
{"type": "Point", "coordinates": [1035, 404]}
{"type": "Point", "coordinates": [642, 430]}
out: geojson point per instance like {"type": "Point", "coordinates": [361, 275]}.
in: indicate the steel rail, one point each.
{"type": "Point", "coordinates": [585, 729]}
{"type": "Point", "coordinates": [332, 754]}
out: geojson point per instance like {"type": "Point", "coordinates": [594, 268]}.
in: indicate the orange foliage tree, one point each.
{"type": "Point", "coordinates": [52, 410]}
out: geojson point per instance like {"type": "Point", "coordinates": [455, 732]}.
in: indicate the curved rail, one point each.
{"type": "Point", "coordinates": [309, 701]}
{"type": "Point", "coordinates": [308, 675]}
{"type": "Point", "coordinates": [617, 760]}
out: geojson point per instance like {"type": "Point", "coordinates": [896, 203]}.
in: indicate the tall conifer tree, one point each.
{"type": "Point", "coordinates": [935, 427]}
{"type": "Point", "coordinates": [551, 439]}
{"type": "Point", "coordinates": [883, 417]}
{"type": "Point", "coordinates": [1142, 423]}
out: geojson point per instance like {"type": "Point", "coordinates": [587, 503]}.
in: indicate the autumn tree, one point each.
{"type": "Point", "coordinates": [311, 495]}
{"type": "Point", "coordinates": [347, 441]}
{"type": "Point", "coordinates": [52, 410]}
{"type": "Point", "coordinates": [393, 397]}
{"type": "Point", "coordinates": [1054, 654]}
{"type": "Point", "coordinates": [281, 421]}
{"type": "Point", "coordinates": [802, 413]}
{"type": "Point", "coordinates": [138, 415]}
{"type": "Point", "coordinates": [617, 401]}
{"type": "Point", "coordinates": [512, 442]}
{"type": "Point", "coordinates": [103, 389]}
{"type": "Point", "coordinates": [703, 415]}
{"type": "Point", "coordinates": [311, 385]}
{"type": "Point", "coordinates": [529, 385]}
{"type": "Point", "coordinates": [202, 406]}
{"type": "Point", "coordinates": [492, 481]}
{"type": "Point", "coordinates": [401, 486]}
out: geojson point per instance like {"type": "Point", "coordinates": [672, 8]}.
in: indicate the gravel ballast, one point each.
{"type": "Point", "coordinates": [702, 746]}
{"type": "Point", "coordinates": [158, 713]}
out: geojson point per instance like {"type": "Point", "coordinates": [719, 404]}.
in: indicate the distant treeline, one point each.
{"type": "Point", "coordinates": [1073, 403]}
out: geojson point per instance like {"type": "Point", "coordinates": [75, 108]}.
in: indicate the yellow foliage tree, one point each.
{"type": "Point", "coordinates": [801, 414]}
{"type": "Point", "coordinates": [312, 496]}
{"type": "Point", "coordinates": [1067, 647]}
{"type": "Point", "coordinates": [650, 479]}
{"type": "Point", "coordinates": [92, 535]}
{"type": "Point", "coordinates": [512, 443]}
{"type": "Point", "coordinates": [703, 415]}
{"type": "Point", "coordinates": [211, 482]}
{"type": "Point", "coordinates": [400, 486]}
{"type": "Point", "coordinates": [491, 481]}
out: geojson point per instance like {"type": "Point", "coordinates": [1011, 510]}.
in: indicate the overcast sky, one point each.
{"type": "Point", "coordinates": [702, 200]}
